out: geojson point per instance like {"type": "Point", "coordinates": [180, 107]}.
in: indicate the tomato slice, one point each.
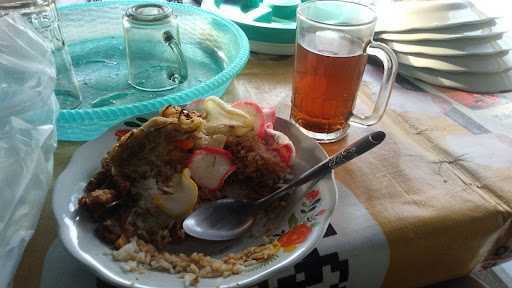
{"type": "Point", "coordinates": [296, 235]}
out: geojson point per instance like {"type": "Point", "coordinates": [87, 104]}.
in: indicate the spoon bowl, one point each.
{"type": "Point", "coordinates": [228, 218]}
{"type": "Point", "coordinates": [224, 219]}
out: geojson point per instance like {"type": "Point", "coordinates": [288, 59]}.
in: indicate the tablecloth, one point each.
{"type": "Point", "coordinates": [433, 202]}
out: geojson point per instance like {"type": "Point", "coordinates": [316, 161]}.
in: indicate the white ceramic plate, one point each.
{"type": "Point", "coordinates": [312, 206]}
{"type": "Point", "coordinates": [471, 63]}
{"type": "Point", "coordinates": [474, 30]}
{"type": "Point", "coordinates": [471, 82]}
{"type": "Point", "coordinates": [460, 47]}
{"type": "Point", "coordinates": [407, 15]}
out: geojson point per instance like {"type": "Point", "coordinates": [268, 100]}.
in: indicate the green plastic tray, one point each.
{"type": "Point", "coordinates": [216, 50]}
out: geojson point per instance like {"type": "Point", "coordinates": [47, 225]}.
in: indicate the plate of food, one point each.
{"type": "Point", "coordinates": [122, 199]}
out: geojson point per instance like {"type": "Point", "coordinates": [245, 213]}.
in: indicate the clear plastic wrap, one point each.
{"type": "Point", "coordinates": [28, 111]}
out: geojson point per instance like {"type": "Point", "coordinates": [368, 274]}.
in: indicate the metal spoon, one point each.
{"type": "Point", "coordinates": [229, 218]}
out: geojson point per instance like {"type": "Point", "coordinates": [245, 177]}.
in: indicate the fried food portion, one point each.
{"type": "Point", "coordinates": [257, 166]}
{"type": "Point", "coordinates": [139, 170]}
{"type": "Point", "coordinates": [154, 149]}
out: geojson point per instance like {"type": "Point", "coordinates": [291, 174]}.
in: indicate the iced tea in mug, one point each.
{"type": "Point", "coordinates": [333, 41]}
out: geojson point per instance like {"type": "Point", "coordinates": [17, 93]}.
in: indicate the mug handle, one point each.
{"type": "Point", "coordinates": [388, 58]}
{"type": "Point", "coordinates": [174, 44]}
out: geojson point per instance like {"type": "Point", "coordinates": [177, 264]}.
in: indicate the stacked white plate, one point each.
{"type": "Point", "coordinates": [449, 43]}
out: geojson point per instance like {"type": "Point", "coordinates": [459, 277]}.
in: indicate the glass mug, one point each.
{"type": "Point", "coordinates": [334, 39]}
{"type": "Point", "coordinates": [153, 50]}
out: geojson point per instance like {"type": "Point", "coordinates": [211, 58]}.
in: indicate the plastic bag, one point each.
{"type": "Point", "coordinates": [28, 111]}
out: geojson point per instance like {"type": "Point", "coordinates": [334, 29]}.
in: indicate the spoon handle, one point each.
{"type": "Point", "coordinates": [355, 149]}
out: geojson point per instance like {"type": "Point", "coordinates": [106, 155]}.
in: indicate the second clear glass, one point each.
{"type": "Point", "coordinates": [153, 50]}
{"type": "Point", "coordinates": [44, 17]}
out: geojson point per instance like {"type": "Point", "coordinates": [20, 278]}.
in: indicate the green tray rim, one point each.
{"type": "Point", "coordinates": [258, 31]}
{"type": "Point", "coordinates": [123, 111]}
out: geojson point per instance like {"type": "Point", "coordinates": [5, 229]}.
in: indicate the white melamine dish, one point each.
{"type": "Point", "coordinates": [471, 82]}
{"type": "Point", "coordinates": [460, 47]}
{"type": "Point", "coordinates": [471, 63]}
{"type": "Point", "coordinates": [474, 30]}
{"type": "Point", "coordinates": [408, 15]}
{"type": "Point", "coordinates": [76, 231]}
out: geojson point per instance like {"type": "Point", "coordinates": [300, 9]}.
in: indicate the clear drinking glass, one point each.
{"type": "Point", "coordinates": [334, 39]}
{"type": "Point", "coordinates": [43, 16]}
{"type": "Point", "coordinates": [153, 50]}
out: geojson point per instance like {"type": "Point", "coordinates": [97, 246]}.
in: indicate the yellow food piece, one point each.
{"type": "Point", "coordinates": [224, 119]}
{"type": "Point", "coordinates": [182, 201]}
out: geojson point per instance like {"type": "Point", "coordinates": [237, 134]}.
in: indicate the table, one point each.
{"type": "Point", "coordinates": [432, 203]}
